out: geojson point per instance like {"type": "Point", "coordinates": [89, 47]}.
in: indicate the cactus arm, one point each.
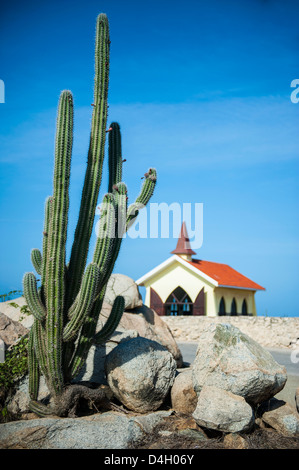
{"type": "Point", "coordinates": [36, 259]}
{"type": "Point", "coordinates": [146, 193]}
{"type": "Point", "coordinates": [86, 298]}
{"type": "Point", "coordinates": [120, 195]}
{"type": "Point", "coordinates": [104, 250]}
{"type": "Point", "coordinates": [111, 324]}
{"type": "Point", "coordinates": [32, 297]}
{"type": "Point", "coordinates": [39, 335]}
{"type": "Point", "coordinates": [86, 335]}
{"type": "Point", "coordinates": [114, 156]}
{"type": "Point", "coordinates": [95, 161]}
{"type": "Point", "coordinates": [148, 186]}
{"type": "Point", "coordinates": [133, 211]}
{"type": "Point", "coordinates": [40, 409]}
{"type": "Point", "coordinates": [48, 207]}
{"type": "Point", "coordinates": [34, 374]}
{"type": "Point", "coordinates": [55, 270]}
{"type": "Point", "coordinates": [106, 232]}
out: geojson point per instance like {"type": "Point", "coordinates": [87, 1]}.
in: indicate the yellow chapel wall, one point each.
{"type": "Point", "coordinates": [176, 275]}
{"type": "Point", "coordinates": [239, 294]}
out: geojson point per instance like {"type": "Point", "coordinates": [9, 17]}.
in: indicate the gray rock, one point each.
{"type": "Point", "coordinates": [109, 430]}
{"type": "Point", "coordinates": [19, 402]}
{"type": "Point", "coordinates": [120, 284]}
{"type": "Point", "coordinates": [223, 411]}
{"type": "Point", "coordinates": [183, 396]}
{"type": "Point", "coordinates": [193, 434]}
{"type": "Point", "coordinates": [10, 330]}
{"type": "Point", "coordinates": [232, 361]}
{"type": "Point", "coordinates": [140, 373]}
{"type": "Point", "coordinates": [94, 367]}
{"type": "Point", "coordinates": [281, 416]}
{"type": "Point", "coordinates": [234, 441]}
{"type": "Point", "coordinates": [146, 323]}
{"type": "Point", "coordinates": [151, 326]}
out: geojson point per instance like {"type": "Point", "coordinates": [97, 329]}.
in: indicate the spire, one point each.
{"type": "Point", "coordinates": [183, 246]}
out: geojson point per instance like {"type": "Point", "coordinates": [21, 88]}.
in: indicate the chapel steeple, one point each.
{"type": "Point", "coordinates": [183, 247]}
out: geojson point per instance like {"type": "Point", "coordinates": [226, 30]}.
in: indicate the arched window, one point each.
{"type": "Point", "coordinates": [244, 308]}
{"type": "Point", "coordinates": [234, 307]}
{"type": "Point", "coordinates": [186, 307]}
{"type": "Point", "coordinates": [173, 306]}
{"type": "Point", "coordinates": [222, 307]}
{"type": "Point", "coordinates": [178, 303]}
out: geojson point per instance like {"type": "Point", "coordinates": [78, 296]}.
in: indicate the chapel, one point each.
{"type": "Point", "coordinates": [184, 285]}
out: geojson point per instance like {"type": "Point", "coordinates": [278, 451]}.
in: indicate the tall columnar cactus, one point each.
{"type": "Point", "coordinates": [67, 305]}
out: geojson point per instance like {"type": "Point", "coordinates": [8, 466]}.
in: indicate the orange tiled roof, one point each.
{"type": "Point", "coordinates": [225, 275]}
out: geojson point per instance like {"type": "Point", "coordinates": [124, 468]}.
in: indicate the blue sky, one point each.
{"type": "Point", "coordinates": [201, 90]}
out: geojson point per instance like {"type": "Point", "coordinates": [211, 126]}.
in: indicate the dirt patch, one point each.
{"type": "Point", "coordinates": [181, 432]}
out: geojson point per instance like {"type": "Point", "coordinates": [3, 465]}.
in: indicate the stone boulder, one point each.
{"type": "Point", "coordinates": [109, 430]}
{"type": "Point", "coordinates": [140, 373]}
{"type": "Point", "coordinates": [144, 322]}
{"type": "Point", "coordinates": [19, 402]}
{"type": "Point", "coordinates": [234, 441]}
{"type": "Point", "coordinates": [281, 416]}
{"type": "Point", "coordinates": [230, 360]}
{"type": "Point", "coordinates": [94, 367]}
{"type": "Point", "coordinates": [183, 396]}
{"type": "Point", "coordinates": [10, 330]}
{"type": "Point", "coordinates": [148, 324]}
{"type": "Point", "coordinates": [223, 411]}
{"type": "Point", "coordinates": [120, 284]}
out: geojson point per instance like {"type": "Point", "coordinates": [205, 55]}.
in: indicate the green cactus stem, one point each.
{"type": "Point", "coordinates": [112, 322]}
{"type": "Point", "coordinates": [39, 342]}
{"type": "Point", "coordinates": [31, 294]}
{"type": "Point", "coordinates": [48, 208]}
{"type": "Point", "coordinates": [115, 156]}
{"type": "Point", "coordinates": [36, 259]}
{"type": "Point", "coordinates": [55, 270]}
{"type": "Point", "coordinates": [106, 235]}
{"type": "Point", "coordinates": [94, 163]}
{"type": "Point", "coordinates": [34, 371]}
{"type": "Point", "coordinates": [86, 297]}
{"type": "Point", "coordinates": [141, 201]}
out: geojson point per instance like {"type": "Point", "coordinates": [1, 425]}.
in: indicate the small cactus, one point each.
{"type": "Point", "coordinates": [67, 305]}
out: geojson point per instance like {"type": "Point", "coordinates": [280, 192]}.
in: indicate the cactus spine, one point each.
{"type": "Point", "coordinates": [67, 305]}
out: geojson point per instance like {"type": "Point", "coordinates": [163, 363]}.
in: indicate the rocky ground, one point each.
{"type": "Point", "coordinates": [124, 429]}
{"type": "Point", "coordinates": [224, 400]}
{"type": "Point", "coordinates": [179, 431]}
